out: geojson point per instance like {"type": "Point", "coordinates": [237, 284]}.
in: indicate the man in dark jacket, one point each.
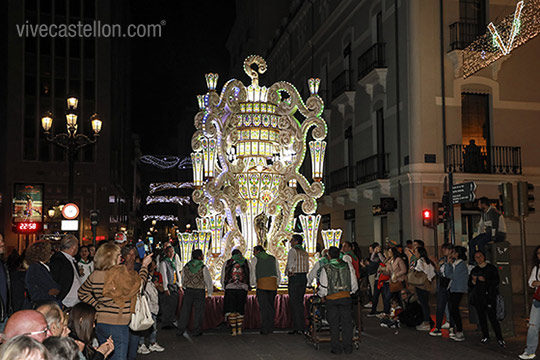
{"type": "Point", "coordinates": [5, 288]}
{"type": "Point", "coordinates": [490, 228]}
{"type": "Point", "coordinates": [65, 272]}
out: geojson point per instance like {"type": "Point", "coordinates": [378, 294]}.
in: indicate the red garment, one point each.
{"type": "Point", "coordinates": [382, 279]}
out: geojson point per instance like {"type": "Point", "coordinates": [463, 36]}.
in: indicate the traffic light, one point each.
{"type": "Point", "coordinates": [525, 198]}
{"type": "Point", "coordinates": [439, 213]}
{"type": "Point", "coordinates": [506, 196]}
{"type": "Point", "coordinates": [427, 218]}
{"type": "Point", "coordinates": [94, 217]}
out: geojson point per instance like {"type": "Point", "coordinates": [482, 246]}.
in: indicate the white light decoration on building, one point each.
{"type": "Point", "coordinates": [160, 218]}
{"type": "Point", "coordinates": [314, 85]}
{"type": "Point", "coordinates": [185, 243]}
{"type": "Point", "coordinates": [209, 155]}
{"type": "Point", "coordinates": [331, 237]}
{"type": "Point", "coordinates": [197, 165]}
{"type": "Point", "coordinates": [200, 101]}
{"type": "Point", "coordinates": [260, 145]}
{"type": "Point", "coordinates": [310, 227]}
{"type": "Point", "coordinates": [499, 40]}
{"type": "Point", "coordinates": [318, 149]}
{"type": "Point", "coordinates": [179, 200]}
{"type": "Point", "coordinates": [201, 240]}
{"type": "Point", "coordinates": [214, 224]}
{"type": "Point", "coordinates": [156, 187]}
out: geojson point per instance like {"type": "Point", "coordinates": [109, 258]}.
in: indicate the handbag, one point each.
{"type": "Point", "coordinates": [141, 319]}
{"type": "Point", "coordinates": [416, 278]}
{"type": "Point", "coordinates": [395, 286]}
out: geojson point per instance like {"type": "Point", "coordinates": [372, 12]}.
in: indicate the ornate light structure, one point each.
{"type": "Point", "coordinates": [310, 228]}
{"type": "Point", "coordinates": [261, 139]}
{"type": "Point", "coordinates": [214, 224]}
{"type": "Point", "coordinates": [197, 164]}
{"type": "Point", "coordinates": [201, 240]}
{"type": "Point", "coordinates": [186, 247]}
{"type": "Point", "coordinates": [331, 237]}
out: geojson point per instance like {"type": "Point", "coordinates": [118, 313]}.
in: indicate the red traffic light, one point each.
{"type": "Point", "coordinates": [426, 218]}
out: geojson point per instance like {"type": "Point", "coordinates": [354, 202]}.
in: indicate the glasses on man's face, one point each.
{"type": "Point", "coordinates": [37, 332]}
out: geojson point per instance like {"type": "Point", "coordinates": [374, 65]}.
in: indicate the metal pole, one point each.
{"type": "Point", "coordinates": [451, 206]}
{"type": "Point", "coordinates": [524, 263]}
{"type": "Point", "coordinates": [71, 170]}
{"type": "Point", "coordinates": [94, 235]}
{"type": "Point", "coordinates": [435, 241]}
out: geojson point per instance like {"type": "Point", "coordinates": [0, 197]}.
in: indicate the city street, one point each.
{"type": "Point", "coordinates": [377, 343]}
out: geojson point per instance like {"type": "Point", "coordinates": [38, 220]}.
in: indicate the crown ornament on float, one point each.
{"type": "Point", "coordinates": [248, 147]}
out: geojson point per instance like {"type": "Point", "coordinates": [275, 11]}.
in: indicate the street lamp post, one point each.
{"type": "Point", "coordinates": [71, 141]}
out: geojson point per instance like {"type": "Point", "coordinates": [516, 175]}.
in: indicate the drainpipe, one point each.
{"type": "Point", "coordinates": [398, 122]}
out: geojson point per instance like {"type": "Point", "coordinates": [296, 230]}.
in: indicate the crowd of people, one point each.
{"type": "Point", "coordinates": [68, 301]}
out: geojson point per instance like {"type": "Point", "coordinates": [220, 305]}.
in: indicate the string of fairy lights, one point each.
{"type": "Point", "coordinates": [162, 186]}
{"type": "Point", "coordinates": [167, 162]}
{"type": "Point", "coordinates": [165, 199]}
{"type": "Point", "coordinates": [500, 39]}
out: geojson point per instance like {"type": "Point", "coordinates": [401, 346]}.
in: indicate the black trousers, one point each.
{"type": "Point", "coordinates": [484, 312]}
{"type": "Point", "coordinates": [453, 308]}
{"type": "Point", "coordinates": [193, 299]}
{"type": "Point", "coordinates": [339, 313]}
{"type": "Point", "coordinates": [267, 309]}
{"type": "Point", "coordinates": [168, 306]}
{"type": "Point", "coordinates": [297, 290]}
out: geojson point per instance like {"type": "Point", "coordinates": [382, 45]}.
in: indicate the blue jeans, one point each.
{"type": "Point", "coordinates": [120, 336]}
{"type": "Point", "coordinates": [133, 344]}
{"type": "Point", "coordinates": [534, 326]}
{"type": "Point", "coordinates": [442, 308]}
{"type": "Point", "coordinates": [385, 290]}
{"type": "Point", "coordinates": [150, 334]}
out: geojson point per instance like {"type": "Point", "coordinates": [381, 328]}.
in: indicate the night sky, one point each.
{"type": "Point", "coordinates": [168, 72]}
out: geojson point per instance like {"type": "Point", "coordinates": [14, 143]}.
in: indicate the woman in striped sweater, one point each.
{"type": "Point", "coordinates": [112, 290]}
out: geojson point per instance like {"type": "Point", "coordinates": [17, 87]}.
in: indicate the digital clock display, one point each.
{"type": "Point", "coordinates": [27, 227]}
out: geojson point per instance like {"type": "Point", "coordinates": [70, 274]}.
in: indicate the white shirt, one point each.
{"type": "Point", "coordinates": [422, 266]}
{"type": "Point", "coordinates": [312, 275]}
{"type": "Point", "coordinates": [72, 298]}
{"type": "Point", "coordinates": [253, 271]}
{"type": "Point", "coordinates": [163, 270]}
{"type": "Point", "coordinates": [534, 277]}
{"type": "Point", "coordinates": [323, 280]}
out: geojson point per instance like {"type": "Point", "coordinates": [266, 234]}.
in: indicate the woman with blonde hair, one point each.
{"type": "Point", "coordinates": [112, 289]}
{"type": "Point", "coordinates": [23, 348]}
{"type": "Point", "coordinates": [39, 282]}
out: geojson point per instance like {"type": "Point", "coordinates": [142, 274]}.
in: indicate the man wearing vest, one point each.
{"type": "Point", "coordinates": [169, 268]}
{"type": "Point", "coordinates": [297, 269]}
{"type": "Point", "coordinates": [265, 275]}
{"type": "Point", "coordinates": [338, 282]}
{"type": "Point", "coordinates": [195, 278]}
{"type": "Point", "coordinates": [491, 227]}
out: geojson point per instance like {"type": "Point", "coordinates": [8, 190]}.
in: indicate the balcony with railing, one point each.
{"type": "Point", "coordinates": [505, 160]}
{"type": "Point", "coordinates": [342, 83]}
{"type": "Point", "coordinates": [341, 179]}
{"type": "Point", "coordinates": [372, 168]}
{"type": "Point", "coordinates": [462, 34]}
{"type": "Point", "coordinates": [373, 58]}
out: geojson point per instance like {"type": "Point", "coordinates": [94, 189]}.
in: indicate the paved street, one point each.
{"type": "Point", "coordinates": [377, 343]}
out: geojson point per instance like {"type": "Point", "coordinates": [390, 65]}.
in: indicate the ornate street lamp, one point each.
{"type": "Point", "coordinates": [252, 176]}
{"type": "Point", "coordinates": [310, 227]}
{"type": "Point", "coordinates": [214, 224]}
{"type": "Point", "coordinates": [71, 141]}
{"type": "Point", "coordinates": [331, 237]}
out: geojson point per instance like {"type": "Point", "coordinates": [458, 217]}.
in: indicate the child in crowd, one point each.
{"type": "Point", "coordinates": [392, 320]}
{"type": "Point", "coordinates": [85, 263]}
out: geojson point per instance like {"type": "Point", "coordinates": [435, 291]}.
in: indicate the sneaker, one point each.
{"type": "Point", "coordinates": [484, 340]}
{"type": "Point", "coordinates": [436, 332]}
{"type": "Point", "coordinates": [156, 347]}
{"type": "Point", "coordinates": [458, 337]}
{"type": "Point", "coordinates": [423, 326]}
{"type": "Point", "coordinates": [143, 350]}
{"type": "Point", "coordinates": [384, 325]}
{"type": "Point", "coordinates": [380, 315]}
{"type": "Point", "coordinates": [501, 343]}
{"type": "Point", "coordinates": [451, 331]}
{"type": "Point", "coordinates": [372, 314]}
{"type": "Point", "coordinates": [369, 305]}
{"type": "Point", "coordinates": [525, 356]}
{"type": "Point", "coordinates": [446, 325]}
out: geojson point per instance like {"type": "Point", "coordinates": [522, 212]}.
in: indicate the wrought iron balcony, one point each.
{"type": "Point", "coordinates": [372, 168]}
{"type": "Point", "coordinates": [341, 179]}
{"type": "Point", "coordinates": [343, 82]}
{"type": "Point", "coordinates": [462, 34]}
{"type": "Point", "coordinates": [373, 58]}
{"type": "Point", "coordinates": [482, 159]}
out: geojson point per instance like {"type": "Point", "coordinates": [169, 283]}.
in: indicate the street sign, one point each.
{"type": "Point", "coordinates": [463, 193]}
{"type": "Point", "coordinates": [70, 211]}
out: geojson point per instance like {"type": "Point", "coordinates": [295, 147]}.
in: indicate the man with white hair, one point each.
{"type": "Point", "coordinates": [64, 270]}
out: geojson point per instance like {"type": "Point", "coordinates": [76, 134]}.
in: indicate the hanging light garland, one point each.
{"type": "Point", "coordinates": [160, 217]}
{"type": "Point", "coordinates": [166, 162]}
{"type": "Point", "coordinates": [180, 200]}
{"type": "Point", "coordinates": [155, 187]}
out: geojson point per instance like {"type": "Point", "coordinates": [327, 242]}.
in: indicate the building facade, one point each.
{"type": "Point", "coordinates": [401, 116]}
{"type": "Point", "coordinates": [43, 72]}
